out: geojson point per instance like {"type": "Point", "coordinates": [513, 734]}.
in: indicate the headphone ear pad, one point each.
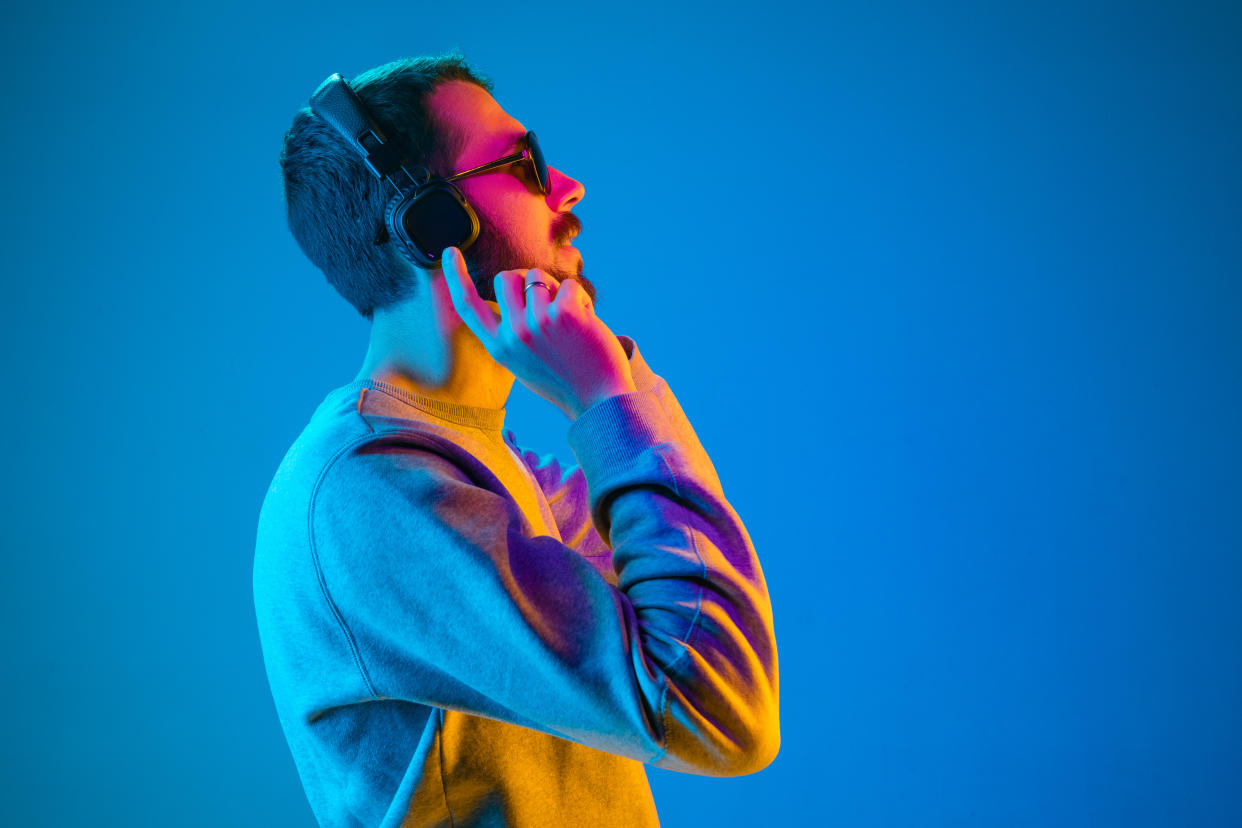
{"type": "Point", "coordinates": [407, 249]}
{"type": "Point", "coordinates": [430, 218]}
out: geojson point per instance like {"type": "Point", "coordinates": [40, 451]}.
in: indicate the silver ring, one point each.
{"type": "Point", "coordinates": [540, 284]}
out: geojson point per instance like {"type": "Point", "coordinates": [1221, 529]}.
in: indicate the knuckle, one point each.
{"type": "Point", "coordinates": [518, 332]}
{"type": "Point", "coordinates": [564, 320]}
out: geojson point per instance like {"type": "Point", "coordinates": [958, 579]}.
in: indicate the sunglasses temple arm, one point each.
{"type": "Point", "coordinates": [491, 165]}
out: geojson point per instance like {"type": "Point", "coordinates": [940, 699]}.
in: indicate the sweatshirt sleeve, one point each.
{"type": "Point", "coordinates": [444, 600]}
{"type": "Point", "coordinates": [566, 489]}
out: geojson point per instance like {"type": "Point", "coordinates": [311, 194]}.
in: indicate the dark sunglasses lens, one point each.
{"type": "Point", "coordinates": [541, 165]}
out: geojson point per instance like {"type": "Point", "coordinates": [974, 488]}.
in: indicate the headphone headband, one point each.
{"type": "Point", "coordinates": [427, 214]}
{"type": "Point", "coordinates": [338, 104]}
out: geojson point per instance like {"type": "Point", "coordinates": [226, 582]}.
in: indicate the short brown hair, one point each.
{"type": "Point", "coordinates": [335, 206]}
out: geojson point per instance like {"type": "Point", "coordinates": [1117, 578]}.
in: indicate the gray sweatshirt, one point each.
{"type": "Point", "coordinates": [459, 632]}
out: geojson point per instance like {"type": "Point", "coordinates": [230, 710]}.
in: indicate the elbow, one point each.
{"type": "Point", "coordinates": [766, 750]}
{"type": "Point", "coordinates": [758, 750]}
{"type": "Point", "coordinates": [758, 726]}
{"type": "Point", "coordinates": [747, 746]}
{"type": "Point", "coordinates": [724, 720]}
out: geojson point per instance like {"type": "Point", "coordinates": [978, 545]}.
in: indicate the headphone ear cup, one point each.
{"type": "Point", "coordinates": [392, 214]}
{"type": "Point", "coordinates": [430, 218]}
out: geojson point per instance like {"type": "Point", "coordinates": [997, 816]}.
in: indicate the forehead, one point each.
{"type": "Point", "coordinates": [485, 132]}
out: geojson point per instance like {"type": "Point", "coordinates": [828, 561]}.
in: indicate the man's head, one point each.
{"type": "Point", "coordinates": [439, 114]}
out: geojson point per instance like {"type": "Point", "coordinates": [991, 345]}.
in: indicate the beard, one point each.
{"type": "Point", "coordinates": [494, 251]}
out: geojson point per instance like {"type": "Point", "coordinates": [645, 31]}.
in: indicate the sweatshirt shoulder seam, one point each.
{"type": "Point", "coordinates": [314, 551]}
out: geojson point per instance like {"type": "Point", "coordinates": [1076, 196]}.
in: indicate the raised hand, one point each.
{"type": "Point", "coordinates": [551, 340]}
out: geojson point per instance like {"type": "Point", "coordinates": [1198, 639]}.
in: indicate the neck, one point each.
{"type": "Point", "coordinates": [421, 346]}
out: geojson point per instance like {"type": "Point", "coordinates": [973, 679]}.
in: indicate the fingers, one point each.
{"type": "Point", "coordinates": [508, 286]}
{"type": "Point", "coordinates": [538, 299]}
{"type": "Point", "coordinates": [572, 294]}
{"type": "Point", "coordinates": [523, 303]}
{"type": "Point", "coordinates": [466, 301]}
{"type": "Point", "coordinates": [523, 312]}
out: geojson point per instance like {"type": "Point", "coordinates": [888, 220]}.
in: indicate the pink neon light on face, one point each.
{"type": "Point", "coordinates": [519, 226]}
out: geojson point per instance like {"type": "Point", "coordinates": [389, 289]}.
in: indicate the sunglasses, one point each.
{"type": "Point", "coordinates": [532, 153]}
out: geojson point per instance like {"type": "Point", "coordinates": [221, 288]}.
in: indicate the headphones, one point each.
{"type": "Point", "coordinates": [427, 214]}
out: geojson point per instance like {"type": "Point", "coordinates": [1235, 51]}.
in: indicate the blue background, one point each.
{"type": "Point", "coordinates": [950, 293]}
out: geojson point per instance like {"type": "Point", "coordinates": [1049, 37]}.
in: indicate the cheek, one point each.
{"type": "Point", "coordinates": [525, 223]}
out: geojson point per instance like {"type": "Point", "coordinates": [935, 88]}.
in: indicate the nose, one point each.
{"type": "Point", "coordinates": [563, 192]}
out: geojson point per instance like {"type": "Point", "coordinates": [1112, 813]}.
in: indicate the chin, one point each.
{"type": "Point", "coordinates": [573, 252]}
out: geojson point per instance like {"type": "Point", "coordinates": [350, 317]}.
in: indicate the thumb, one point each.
{"type": "Point", "coordinates": [472, 309]}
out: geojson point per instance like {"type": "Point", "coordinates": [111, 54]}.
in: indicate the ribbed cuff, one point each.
{"type": "Point", "coordinates": [644, 378]}
{"type": "Point", "coordinates": [611, 435]}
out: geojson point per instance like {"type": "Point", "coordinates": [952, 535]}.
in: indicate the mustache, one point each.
{"type": "Point", "coordinates": [565, 228]}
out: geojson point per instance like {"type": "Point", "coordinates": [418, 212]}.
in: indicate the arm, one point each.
{"type": "Point", "coordinates": [566, 489]}
{"type": "Point", "coordinates": [444, 600]}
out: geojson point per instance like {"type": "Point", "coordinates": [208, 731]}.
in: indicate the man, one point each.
{"type": "Point", "coordinates": [457, 631]}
